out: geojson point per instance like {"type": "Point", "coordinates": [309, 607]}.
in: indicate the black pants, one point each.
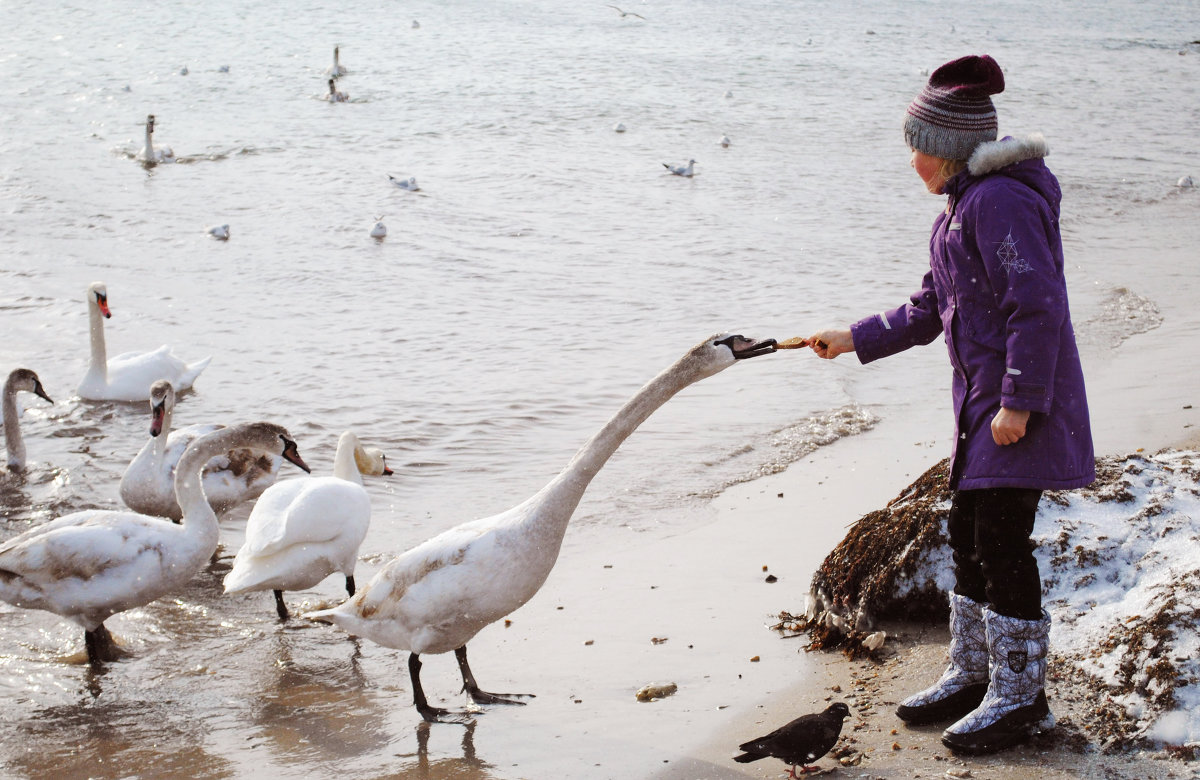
{"type": "Point", "coordinates": [993, 554]}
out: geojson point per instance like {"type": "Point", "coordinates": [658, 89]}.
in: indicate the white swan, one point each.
{"type": "Point", "coordinates": [128, 376]}
{"type": "Point", "coordinates": [20, 379]}
{"type": "Point", "coordinates": [334, 96]}
{"type": "Point", "coordinates": [336, 70]}
{"type": "Point", "coordinates": [90, 565]}
{"type": "Point", "coordinates": [409, 184]}
{"type": "Point", "coordinates": [436, 596]}
{"type": "Point", "coordinates": [231, 478]}
{"type": "Point", "coordinates": [149, 154]}
{"type": "Point", "coordinates": [681, 170]}
{"type": "Point", "coordinates": [303, 530]}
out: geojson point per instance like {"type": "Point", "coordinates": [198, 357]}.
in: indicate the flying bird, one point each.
{"type": "Point", "coordinates": [626, 13]}
{"type": "Point", "coordinates": [801, 741]}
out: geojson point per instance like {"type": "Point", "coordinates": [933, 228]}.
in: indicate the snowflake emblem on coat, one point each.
{"type": "Point", "coordinates": [1010, 259]}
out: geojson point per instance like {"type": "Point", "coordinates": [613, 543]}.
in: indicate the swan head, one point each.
{"type": "Point", "coordinates": [27, 380]}
{"type": "Point", "coordinates": [269, 437]}
{"type": "Point", "coordinates": [720, 351]}
{"type": "Point", "coordinates": [371, 461]}
{"type": "Point", "coordinates": [98, 295]}
{"type": "Point", "coordinates": [162, 398]}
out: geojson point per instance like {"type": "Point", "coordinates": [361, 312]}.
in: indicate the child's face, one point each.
{"type": "Point", "coordinates": [927, 168]}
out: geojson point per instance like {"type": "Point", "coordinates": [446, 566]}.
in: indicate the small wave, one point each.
{"type": "Point", "coordinates": [1122, 314]}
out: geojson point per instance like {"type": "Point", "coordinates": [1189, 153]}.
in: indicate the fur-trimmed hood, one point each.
{"type": "Point", "coordinates": [1019, 159]}
{"type": "Point", "coordinates": [994, 155]}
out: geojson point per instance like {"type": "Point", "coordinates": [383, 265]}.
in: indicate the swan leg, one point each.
{"type": "Point", "coordinates": [280, 607]}
{"type": "Point", "coordinates": [430, 714]}
{"type": "Point", "coordinates": [100, 646]}
{"type": "Point", "coordinates": [349, 584]}
{"type": "Point", "coordinates": [472, 688]}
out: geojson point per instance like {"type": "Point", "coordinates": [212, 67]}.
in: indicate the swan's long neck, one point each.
{"type": "Point", "coordinates": [96, 327]}
{"type": "Point", "coordinates": [160, 441]}
{"type": "Point", "coordinates": [560, 497]}
{"type": "Point", "coordinates": [149, 140]}
{"type": "Point", "coordinates": [199, 520]}
{"type": "Point", "coordinates": [12, 429]}
{"type": "Point", "coordinates": [344, 465]}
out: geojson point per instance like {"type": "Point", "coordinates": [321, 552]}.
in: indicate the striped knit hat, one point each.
{"type": "Point", "coordinates": [954, 114]}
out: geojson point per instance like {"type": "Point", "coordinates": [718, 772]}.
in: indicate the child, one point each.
{"type": "Point", "coordinates": [996, 290]}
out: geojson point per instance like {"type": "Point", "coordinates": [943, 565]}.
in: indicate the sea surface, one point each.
{"type": "Point", "coordinates": [547, 268]}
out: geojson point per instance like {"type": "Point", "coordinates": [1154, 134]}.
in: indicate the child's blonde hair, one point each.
{"type": "Point", "coordinates": [947, 169]}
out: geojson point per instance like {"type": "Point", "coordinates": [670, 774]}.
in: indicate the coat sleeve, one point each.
{"type": "Point", "coordinates": [916, 322]}
{"type": "Point", "coordinates": [1017, 237]}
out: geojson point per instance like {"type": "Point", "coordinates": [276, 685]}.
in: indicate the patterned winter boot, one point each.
{"type": "Point", "coordinates": [1015, 706]}
{"type": "Point", "coordinates": [965, 681]}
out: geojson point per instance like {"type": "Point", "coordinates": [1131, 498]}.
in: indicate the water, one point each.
{"type": "Point", "coordinates": [547, 268]}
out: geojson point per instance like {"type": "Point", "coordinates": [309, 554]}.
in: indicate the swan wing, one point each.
{"type": "Point", "coordinates": [130, 374]}
{"type": "Point", "coordinates": [306, 511]}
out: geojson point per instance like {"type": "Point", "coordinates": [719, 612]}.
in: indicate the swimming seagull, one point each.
{"type": "Point", "coordinates": [801, 741]}
{"type": "Point", "coordinates": [681, 170]}
{"type": "Point", "coordinates": [626, 13]}
{"type": "Point", "coordinates": [438, 595]}
{"type": "Point", "coordinates": [379, 231]}
{"type": "Point", "coordinates": [416, 25]}
{"type": "Point", "coordinates": [219, 232]}
{"type": "Point", "coordinates": [724, 141]}
{"type": "Point", "coordinates": [409, 184]}
{"type": "Point", "coordinates": [619, 127]}
{"type": "Point", "coordinates": [1185, 182]}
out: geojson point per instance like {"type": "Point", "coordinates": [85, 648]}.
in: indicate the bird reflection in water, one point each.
{"type": "Point", "coordinates": [443, 768]}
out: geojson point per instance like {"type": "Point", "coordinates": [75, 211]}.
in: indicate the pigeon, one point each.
{"type": "Point", "coordinates": [681, 170]}
{"type": "Point", "coordinates": [802, 741]}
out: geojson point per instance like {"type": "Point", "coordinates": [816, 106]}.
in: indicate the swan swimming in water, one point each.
{"type": "Point", "coordinates": [231, 478]}
{"type": "Point", "coordinates": [303, 530]}
{"type": "Point", "coordinates": [336, 70]}
{"type": "Point", "coordinates": [128, 376]}
{"type": "Point", "coordinates": [149, 154]}
{"type": "Point", "coordinates": [438, 595]}
{"type": "Point", "coordinates": [19, 379]}
{"type": "Point", "coordinates": [681, 170]}
{"type": "Point", "coordinates": [90, 565]}
{"type": "Point", "coordinates": [334, 96]}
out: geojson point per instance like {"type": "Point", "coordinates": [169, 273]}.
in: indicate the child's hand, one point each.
{"type": "Point", "coordinates": [1008, 426]}
{"type": "Point", "coordinates": [831, 343]}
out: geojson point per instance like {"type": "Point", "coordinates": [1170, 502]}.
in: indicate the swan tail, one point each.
{"type": "Point", "coordinates": [192, 371]}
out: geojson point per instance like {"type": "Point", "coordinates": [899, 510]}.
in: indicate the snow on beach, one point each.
{"type": "Point", "coordinates": [1120, 564]}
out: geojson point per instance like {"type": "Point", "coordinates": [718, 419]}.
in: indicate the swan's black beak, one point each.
{"type": "Point", "coordinates": [40, 392]}
{"type": "Point", "coordinates": [292, 453]}
{"type": "Point", "coordinates": [743, 348]}
{"type": "Point", "coordinates": [158, 414]}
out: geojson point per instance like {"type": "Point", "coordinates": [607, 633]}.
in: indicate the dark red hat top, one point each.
{"type": "Point", "coordinates": [970, 76]}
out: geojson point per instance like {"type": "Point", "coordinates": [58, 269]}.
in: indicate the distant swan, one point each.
{"type": "Point", "coordinates": [681, 170]}
{"type": "Point", "coordinates": [231, 478]}
{"type": "Point", "coordinates": [303, 530]}
{"type": "Point", "coordinates": [438, 595]}
{"type": "Point", "coordinates": [149, 154]}
{"type": "Point", "coordinates": [20, 379]}
{"type": "Point", "coordinates": [90, 565]}
{"type": "Point", "coordinates": [128, 376]}
{"type": "Point", "coordinates": [336, 70]}
{"type": "Point", "coordinates": [334, 96]}
{"type": "Point", "coordinates": [409, 184]}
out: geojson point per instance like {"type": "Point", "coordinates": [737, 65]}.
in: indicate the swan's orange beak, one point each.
{"type": "Point", "coordinates": [102, 302]}
{"type": "Point", "coordinates": [158, 414]}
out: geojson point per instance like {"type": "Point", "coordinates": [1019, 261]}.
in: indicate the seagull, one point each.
{"type": "Point", "coordinates": [223, 69]}
{"type": "Point", "coordinates": [183, 71]}
{"type": "Point", "coordinates": [219, 232]}
{"type": "Point", "coordinates": [379, 231]}
{"type": "Point", "coordinates": [681, 170]}
{"type": "Point", "coordinates": [619, 127]}
{"type": "Point", "coordinates": [626, 13]}
{"type": "Point", "coordinates": [416, 25]}
{"type": "Point", "coordinates": [802, 741]}
{"type": "Point", "coordinates": [724, 141]}
{"type": "Point", "coordinates": [409, 184]}
{"type": "Point", "coordinates": [1185, 182]}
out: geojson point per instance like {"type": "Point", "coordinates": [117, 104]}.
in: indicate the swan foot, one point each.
{"type": "Point", "coordinates": [100, 646]}
{"type": "Point", "coordinates": [280, 608]}
{"type": "Point", "coordinates": [429, 713]}
{"type": "Point", "coordinates": [481, 696]}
